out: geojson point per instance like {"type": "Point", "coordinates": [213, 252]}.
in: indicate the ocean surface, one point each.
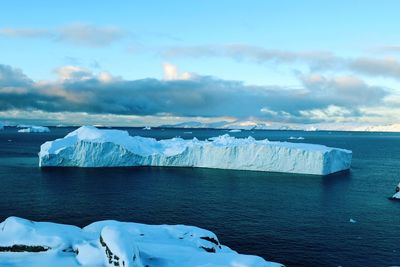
{"type": "Point", "coordinates": [298, 220]}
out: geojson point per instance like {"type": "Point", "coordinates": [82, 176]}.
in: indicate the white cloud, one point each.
{"type": "Point", "coordinates": [171, 73]}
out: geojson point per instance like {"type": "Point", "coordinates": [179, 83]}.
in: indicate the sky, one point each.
{"type": "Point", "coordinates": [135, 63]}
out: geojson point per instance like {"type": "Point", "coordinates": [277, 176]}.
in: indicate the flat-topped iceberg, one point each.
{"type": "Point", "coordinates": [113, 243]}
{"type": "Point", "coordinates": [33, 129]}
{"type": "Point", "coordinates": [92, 147]}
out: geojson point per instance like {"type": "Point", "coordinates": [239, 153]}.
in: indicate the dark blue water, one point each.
{"type": "Point", "coordinates": [298, 220]}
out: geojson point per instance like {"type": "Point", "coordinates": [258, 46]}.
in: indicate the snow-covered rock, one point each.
{"type": "Point", "coordinates": [113, 243]}
{"type": "Point", "coordinates": [397, 194]}
{"type": "Point", "coordinates": [34, 129]}
{"type": "Point", "coordinates": [92, 147]}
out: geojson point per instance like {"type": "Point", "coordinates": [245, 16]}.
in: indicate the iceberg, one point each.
{"type": "Point", "coordinates": [113, 243]}
{"type": "Point", "coordinates": [296, 138]}
{"type": "Point", "coordinates": [34, 129]}
{"type": "Point", "coordinates": [92, 147]}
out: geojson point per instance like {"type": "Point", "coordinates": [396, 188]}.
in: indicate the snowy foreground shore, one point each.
{"type": "Point", "coordinates": [92, 147]}
{"type": "Point", "coordinates": [113, 243]}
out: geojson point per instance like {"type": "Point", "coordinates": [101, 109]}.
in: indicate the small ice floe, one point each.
{"type": "Point", "coordinates": [9, 140]}
{"type": "Point", "coordinates": [187, 132]}
{"type": "Point", "coordinates": [396, 196]}
{"type": "Point", "coordinates": [147, 128]}
{"type": "Point", "coordinates": [296, 138]}
{"type": "Point", "coordinates": [235, 131]}
{"type": "Point", "coordinates": [352, 220]}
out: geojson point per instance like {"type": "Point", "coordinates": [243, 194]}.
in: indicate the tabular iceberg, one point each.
{"type": "Point", "coordinates": [91, 147]}
{"type": "Point", "coordinates": [113, 243]}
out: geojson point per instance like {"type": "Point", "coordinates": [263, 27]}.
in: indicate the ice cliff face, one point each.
{"type": "Point", "coordinates": [113, 243]}
{"type": "Point", "coordinates": [91, 147]}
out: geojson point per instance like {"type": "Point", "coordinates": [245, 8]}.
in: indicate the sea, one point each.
{"type": "Point", "coordinates": [344, 219]}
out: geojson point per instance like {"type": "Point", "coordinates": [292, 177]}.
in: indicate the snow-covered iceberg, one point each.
{"type": "Point", "coordinates": [92, 147]}
{"type": "Point", "coordinates": [34, 129]}
{"type": "Point", "coordinates": [113, 243]}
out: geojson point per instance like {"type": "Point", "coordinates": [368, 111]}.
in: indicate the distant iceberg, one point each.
{"type": "Point", "coordinates": [113, 243]}
{"type": "Point", "coordinates": [235, 131]}
{"type": "Point", "coordinates": [311, 129]}
{"type": "Point", "coordinates": [92, 147]}
{"type": "Point", "coordinates": [296, 138]}
{"type": "Point", "coordinates": [34, 129]}
{"type": "Point", "coordinates": [147, 128]}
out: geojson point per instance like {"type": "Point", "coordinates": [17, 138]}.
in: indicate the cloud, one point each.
{"type": "Point", "coordinates": [80, 90]}
{"type": "Point", "coordinates": [247, 52]}
{"type": "Point", "coordinates": [76, 34]}
{"type": "Point", "coordinates": [171, 73]}
{"type": "Point", "coordinates": [315, 60]}
{"type": "Point", "coordinates": [387, 67]}
{"type": "Point", "coordinates": [89, 35]}
{"type": "Point", "coordinates": [388, 48]}
{"type": "Point", "coordinates": [25, 33]}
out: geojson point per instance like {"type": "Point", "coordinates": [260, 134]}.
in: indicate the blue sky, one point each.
{"type": "Point", "coordinates": [301, 62]}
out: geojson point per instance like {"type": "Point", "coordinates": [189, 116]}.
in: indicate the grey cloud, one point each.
{"type": "Point", "coordinates": [25, 33]}
{"type": "Point", "coordinates": [248, 52]}
{"type": "Point", "coordinates": [316, 60]}
{"type": "Point", "coordinates": [89, 35]}
{"type": "Point", "coordinates": [201, 96]}
{"type": "Point", "coordinates": [77, 34]}
{"type": "Point", "coordinates": [388, 48]}
{"type": "Point", "coordinates": [378, 67]}
{"type": "Point", "coordinates": [11, 77]}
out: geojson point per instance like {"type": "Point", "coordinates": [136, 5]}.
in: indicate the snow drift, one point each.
{"type": "Point", "coordinates": [92, 147]}
{"type": "Point", "coordinates": [113, 243]}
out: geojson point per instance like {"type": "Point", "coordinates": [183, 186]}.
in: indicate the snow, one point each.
{"type": "Point", "coordinates": [92, 147]}
{"type": "Point", "coordinates": [33, 129]}
{"type": "Point", "coordinates": [113, 243]}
